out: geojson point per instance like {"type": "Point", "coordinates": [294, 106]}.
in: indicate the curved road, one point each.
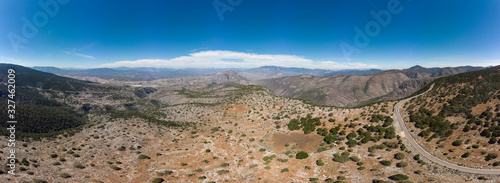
{"type": "Point", "coordinates": [404, 132]}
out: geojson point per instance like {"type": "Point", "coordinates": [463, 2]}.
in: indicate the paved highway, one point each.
{"type": "Point", "coordinates": [401, 127]}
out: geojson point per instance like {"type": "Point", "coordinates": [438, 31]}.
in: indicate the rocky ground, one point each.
{"type": "Point", "coordinates": [238, 134]}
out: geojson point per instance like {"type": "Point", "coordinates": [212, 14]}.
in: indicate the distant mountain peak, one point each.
{"type": "Point", "coordinates": [416, 67]}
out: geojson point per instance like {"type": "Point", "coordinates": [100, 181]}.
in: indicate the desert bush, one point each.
{"type": "Point", "coordinates": [402, 164]}
{"type": "Point", "coordinates": [491, 156]}
{"type": "Point", "coordinates": [115, 167]}
{"type": "Point", "coordinates": [158, 180]}
{"type": "Point", "coordinates": [399, 156]}
{"type": "Point", "coordinates": [398, 177]}
{"type": "Point", "coordinates": [65, 175]}
{"type": "Point", "coordinates": [284, 170]}
{"type": "Point", "coordinates": [142, 156]}
{"type": "Point", "coordinates": [78, 165]}
{"type": "Point", "coordinates": [166, 172]}
{"type": "Point", "coordinates": [301, 155]}
{"type": "Point", "coordinates": [354, 158]}
{"type": "Point", "coordinates": [341, 158]}
{"type": "Point", "coordinates": [457, 143]}
{"type": "Point", "coordinates": [220, 172]}
{"type": "Point", "coordinates": [385, 162]}
{"type": "Point", "coordinates": [320, 162]}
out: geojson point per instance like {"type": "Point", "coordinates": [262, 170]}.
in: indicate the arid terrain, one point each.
{"type": "Point", "coordinates": [222, 132]}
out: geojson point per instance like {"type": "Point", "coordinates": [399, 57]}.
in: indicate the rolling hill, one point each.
{"type": "Point", "coordinates": [350, 91]}
{"type": "Point", "coordinates": [461, 113]}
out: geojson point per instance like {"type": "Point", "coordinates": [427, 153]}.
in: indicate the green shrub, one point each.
{"type": "Point", "coordinates": [166, 172]}
{"type": "Point", "coordinates": [39, 181]}
{"type": "Point", "coordinates": [399, 156]}
{"type": "Point", "coordinates": [402, 164]}
{"type": "Point", "coordinates": [142, 156]}
{"type": "Point", "coordinates": [466, 155]}
{"type": "Point", "coordinates": [341, 158]}
{"type": "Point", "coordinates": [158, 180]}
{"type": "Point", "coordinates": [491, 156]}
{"type": "Point", "coordinates": [398, 177]}
{"type": "Point", "coordinates": [65, 175]}
{"type": "Point", "coordinates": [457, 143]}
{"type": "Point", "coordinates": [320, 162]}
{"type": "Point", "coordinates": [482, 178]}
{"type": "Point", "coordinates": [284, 170]}
{"type": "Point", "coordinates": [282, 160]}
{"type": "Point", "coordinates": [301, 155]}
{"type": "Point", "coordinates": [385, 162]}
{"type": "Point", "coordinates": [115, 167]}
{"type": "Point", "coordinates": [78, 165]}
{"type": "Point", "coordinates": [354, 158]}
{"type": "Point", "coordinates": [416, 157]}
{"type": "Point", "coordinates": [220, 172]}
{"type": "Point", "coordinates": [25, 162]}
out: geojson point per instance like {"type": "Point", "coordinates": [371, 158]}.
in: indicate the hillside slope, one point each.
{"type": "Point", "coordinates": [459, 119]}
{"type": "Point", "coordinates": [350, 91]}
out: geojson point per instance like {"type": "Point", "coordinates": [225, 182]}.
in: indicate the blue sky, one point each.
{"type": "Point", "coordinates": [250, 33]}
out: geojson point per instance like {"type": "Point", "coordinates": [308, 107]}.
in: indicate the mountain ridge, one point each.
{"type": "Point", "coordinates": [351, 91]}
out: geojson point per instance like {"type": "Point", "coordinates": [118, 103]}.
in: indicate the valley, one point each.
{"type": "Point", "coordinates": [214, 129]}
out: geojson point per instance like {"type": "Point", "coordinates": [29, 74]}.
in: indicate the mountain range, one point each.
{"type": "Point", "coordinates": [344, 88]}
{"type": "Point", "coordinates": [356, 90]}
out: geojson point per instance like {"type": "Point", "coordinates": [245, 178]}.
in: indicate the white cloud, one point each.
{"type": "Point", "coordinates": [78, 54]}
{"type": "Point", "coordinates": [232, 59]}
{"type": "Point", "coordinates": [10, 59]}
